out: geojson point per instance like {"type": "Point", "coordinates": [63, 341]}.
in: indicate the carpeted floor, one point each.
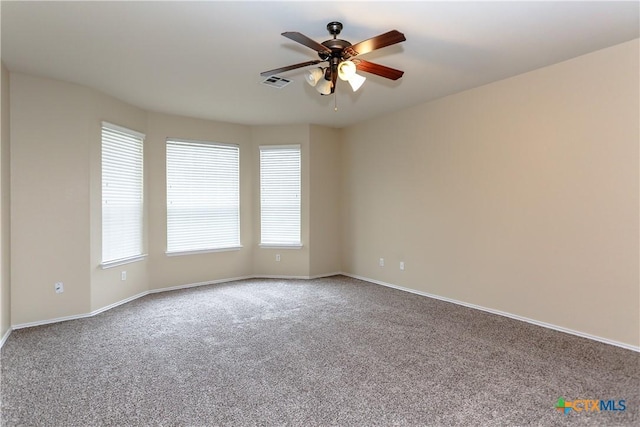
{"type": "Point", "coordinates": [326, 352]}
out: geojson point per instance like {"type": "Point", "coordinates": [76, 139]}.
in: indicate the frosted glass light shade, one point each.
{"type": "Point", "coordinates": [356, 81]}
{"type": "Point", "coordinates": [346, 70]}
{"type": "Point", "coordinates": [313, 76]}
{"type": "Point", "coordinates": [324, 86]}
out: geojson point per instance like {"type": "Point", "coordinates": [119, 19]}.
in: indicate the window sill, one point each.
{"type": "Point", "coordinates": [204, 251]}
{"type": "Point", "coordinates": [123, 261]}
{"type": "Point", "coordinates": [280, 246]}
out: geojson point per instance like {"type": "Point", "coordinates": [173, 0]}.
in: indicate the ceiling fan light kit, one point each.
{"type": "Point", "coordinates": [347, 73]}
{"type": "Point", "coordinates": [356, 81]}
{"type": "Point", "coordinates": [313, 76]}
{"type": "Point", "coordinates": [346, 70]}
{"type": "Point", "coordinates": [340, 56]}
{"type": "Point", "coordinates": [325, 87]}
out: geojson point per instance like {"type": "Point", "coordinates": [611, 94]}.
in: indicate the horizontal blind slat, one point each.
{"type": "Point", "coordinates": [203, 196]}
{"type": "Point", "coordinates": [280, 186]}
{"type": "Point", "coordinates": [122, 193]}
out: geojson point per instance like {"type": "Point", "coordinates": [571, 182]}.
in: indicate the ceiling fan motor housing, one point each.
{"type": "Point", "coordinates": [337, 48]}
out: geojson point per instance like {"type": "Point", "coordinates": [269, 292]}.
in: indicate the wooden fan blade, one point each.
{"type": "Point", "coordinates": [289, 68]}
{"type": "Point", "coordinates": [383, 40]}
{"type": "Point", "coordinates": [380, 70]}
{"type": "Point", "coordinates": [302, 39]}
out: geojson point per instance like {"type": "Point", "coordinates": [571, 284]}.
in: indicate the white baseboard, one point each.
{"type": "Point", "coordinates": [276, 276]}
{"type": "Point", "coordinates": [195, 285]}
{"type": "Point", "coordinates": [318, 276]}
{"type": "Point", "coordinates": [49, 321]}
{"type": "Point", "coordinates": [142, 294]}
{"type": "Point", "coordinates": [500, 313]}
{"type": "Point", "coordinates": [5, 336]}
{"type": "Point", "coordinates": [78, 316]}
{"type": "Point", "coordinates": [118, 303]}
{"type": "Point", "coordinates": [366, 279]}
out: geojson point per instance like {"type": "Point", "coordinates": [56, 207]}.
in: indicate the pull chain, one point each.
{"type": "Point", "coordinates": [335, 102]}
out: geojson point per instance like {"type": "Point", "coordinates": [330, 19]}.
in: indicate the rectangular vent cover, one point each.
{"type": "Point", "coordinates": [277, 82]}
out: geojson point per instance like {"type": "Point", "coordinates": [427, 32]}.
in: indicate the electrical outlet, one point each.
{"type": "Point", "coordinates": [381, 262]}
{"type": "Point", "coordinates": [59, 287]}
{"type": "Point", "coordinates": [401, 265]}
{"type": "Point", "coordinates": [123, 275]}
{"type": "Point", "coordinates": [278, 257]}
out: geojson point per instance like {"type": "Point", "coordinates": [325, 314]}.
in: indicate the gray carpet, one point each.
{"type": "Point", "coordinates": [334, 351]}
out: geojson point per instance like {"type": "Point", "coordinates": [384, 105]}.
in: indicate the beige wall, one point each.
{"type": "Point", "coordinates": [168, 271]}
{"type": "Point", "coordinates": [56, 200]}
{"type": "Point", "coordinates": [320, 254]}
{"type": "Point", "coordinates": [293, 262]}
{"type": "Point", "coordinates": [49, 199]}
{"type": "Point", "coordinates": [324, 206]}
{"type": "Point", "coordinates": [520, 196]}
{"type": "Point", "coordinates": [5, 225]}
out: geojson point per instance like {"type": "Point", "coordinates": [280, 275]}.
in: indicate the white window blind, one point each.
{"type": "Point", "coordinates": [122, 193]}
{"type": "Point", "coordinates": [280, 195]}
{"type": "Point", "coordinates": [203, 196]}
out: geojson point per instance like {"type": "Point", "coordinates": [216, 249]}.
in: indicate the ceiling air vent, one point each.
{"type": "Point", "coordinates": [277, 82]}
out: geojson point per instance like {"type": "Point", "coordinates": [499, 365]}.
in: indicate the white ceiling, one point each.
{"type": "Point", "coordinates": [203, 59]}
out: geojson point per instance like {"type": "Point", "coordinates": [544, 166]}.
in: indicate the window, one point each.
{"type": "Point", "coordinates": [280, 195]}
{"type": "Point", "coordinates": [122, 195]}
{"type": "Point", "coordinates": [203, 196]}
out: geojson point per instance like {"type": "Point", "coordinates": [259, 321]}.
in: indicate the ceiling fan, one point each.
{"type": "Point", "coordinates": [342, 59]}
